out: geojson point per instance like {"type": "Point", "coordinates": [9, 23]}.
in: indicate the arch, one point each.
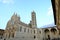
{"type": "Point", "coordinates": [46, 30]}
{"type": "Point", "coordinates": [53, 30]}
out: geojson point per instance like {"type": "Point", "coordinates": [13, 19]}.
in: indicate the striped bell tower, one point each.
{"type": "Point", "coordinates": [33, 15]}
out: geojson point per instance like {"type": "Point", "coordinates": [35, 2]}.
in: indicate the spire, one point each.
{"type": "Point", "coordinates": [15, 16]}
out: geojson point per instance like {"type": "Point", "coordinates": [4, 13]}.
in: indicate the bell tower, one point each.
{"type": "Point", "coordinates": [33, 15]}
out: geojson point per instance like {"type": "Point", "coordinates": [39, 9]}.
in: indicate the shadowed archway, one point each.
{"type": "Point", "coordinates": [53, 30]}
{"type": "Point", "coordinates": [46, 30]}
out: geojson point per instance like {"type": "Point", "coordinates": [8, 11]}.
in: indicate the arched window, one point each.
{"type": "Point", "coordinates": [46, 30]}
{"type": "Point", "coordinates": [39, 31]}
{"type": "Point", "coordinates": [34, 31]}
{"type": "Point", "coordinates": [13, 35]}
{"type": "Point", "coordinates": [34, 36]}
{"type": "Point", "coordinates": [20, 29]}
{"type": "Point", "coordinates": [28, 30]}
{"type": "Point", "coordinates": [24, 29]}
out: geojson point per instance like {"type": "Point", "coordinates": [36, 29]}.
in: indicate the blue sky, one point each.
{"type": "Point", "coordinates": [23, 8]}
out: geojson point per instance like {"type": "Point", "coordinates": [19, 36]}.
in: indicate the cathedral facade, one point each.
{"type": "Point", "coordinates": [21, 31]}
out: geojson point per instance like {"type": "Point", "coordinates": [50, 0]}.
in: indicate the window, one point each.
{"type": "Point", "coordinates": [39, 31]}
{"type": "Point", "coordinates": [9, 35]}
{"type": "Point", "coordinates": [4, 39]}
{"type": "Point", "coordinates": [28, 30]}
{"type": "Point", "coordinates": [20, 29]}
{"type": "Point", "coordinates": [13, 35]}
{"type": "Point", "coordinates": [34, 36]}
{"type": "Point", "coordinates": [24, 29]}
{"type": "Point", "coordinates": [34, 31]}
{"type": "Point", "coordinates": [31, 31]}
{"type": "Point", "coordinates": [1, 37]}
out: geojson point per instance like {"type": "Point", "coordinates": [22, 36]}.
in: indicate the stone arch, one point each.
{"type": "Point", "coordinates": [46, 30]}
{"type": "Point", "coordinates": [53, 30]}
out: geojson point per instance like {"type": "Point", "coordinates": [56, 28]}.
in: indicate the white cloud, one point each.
{"type": "Point", "coordinates": [7, 1]}
{"type": "Point", "coordinates": [50, 11]}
